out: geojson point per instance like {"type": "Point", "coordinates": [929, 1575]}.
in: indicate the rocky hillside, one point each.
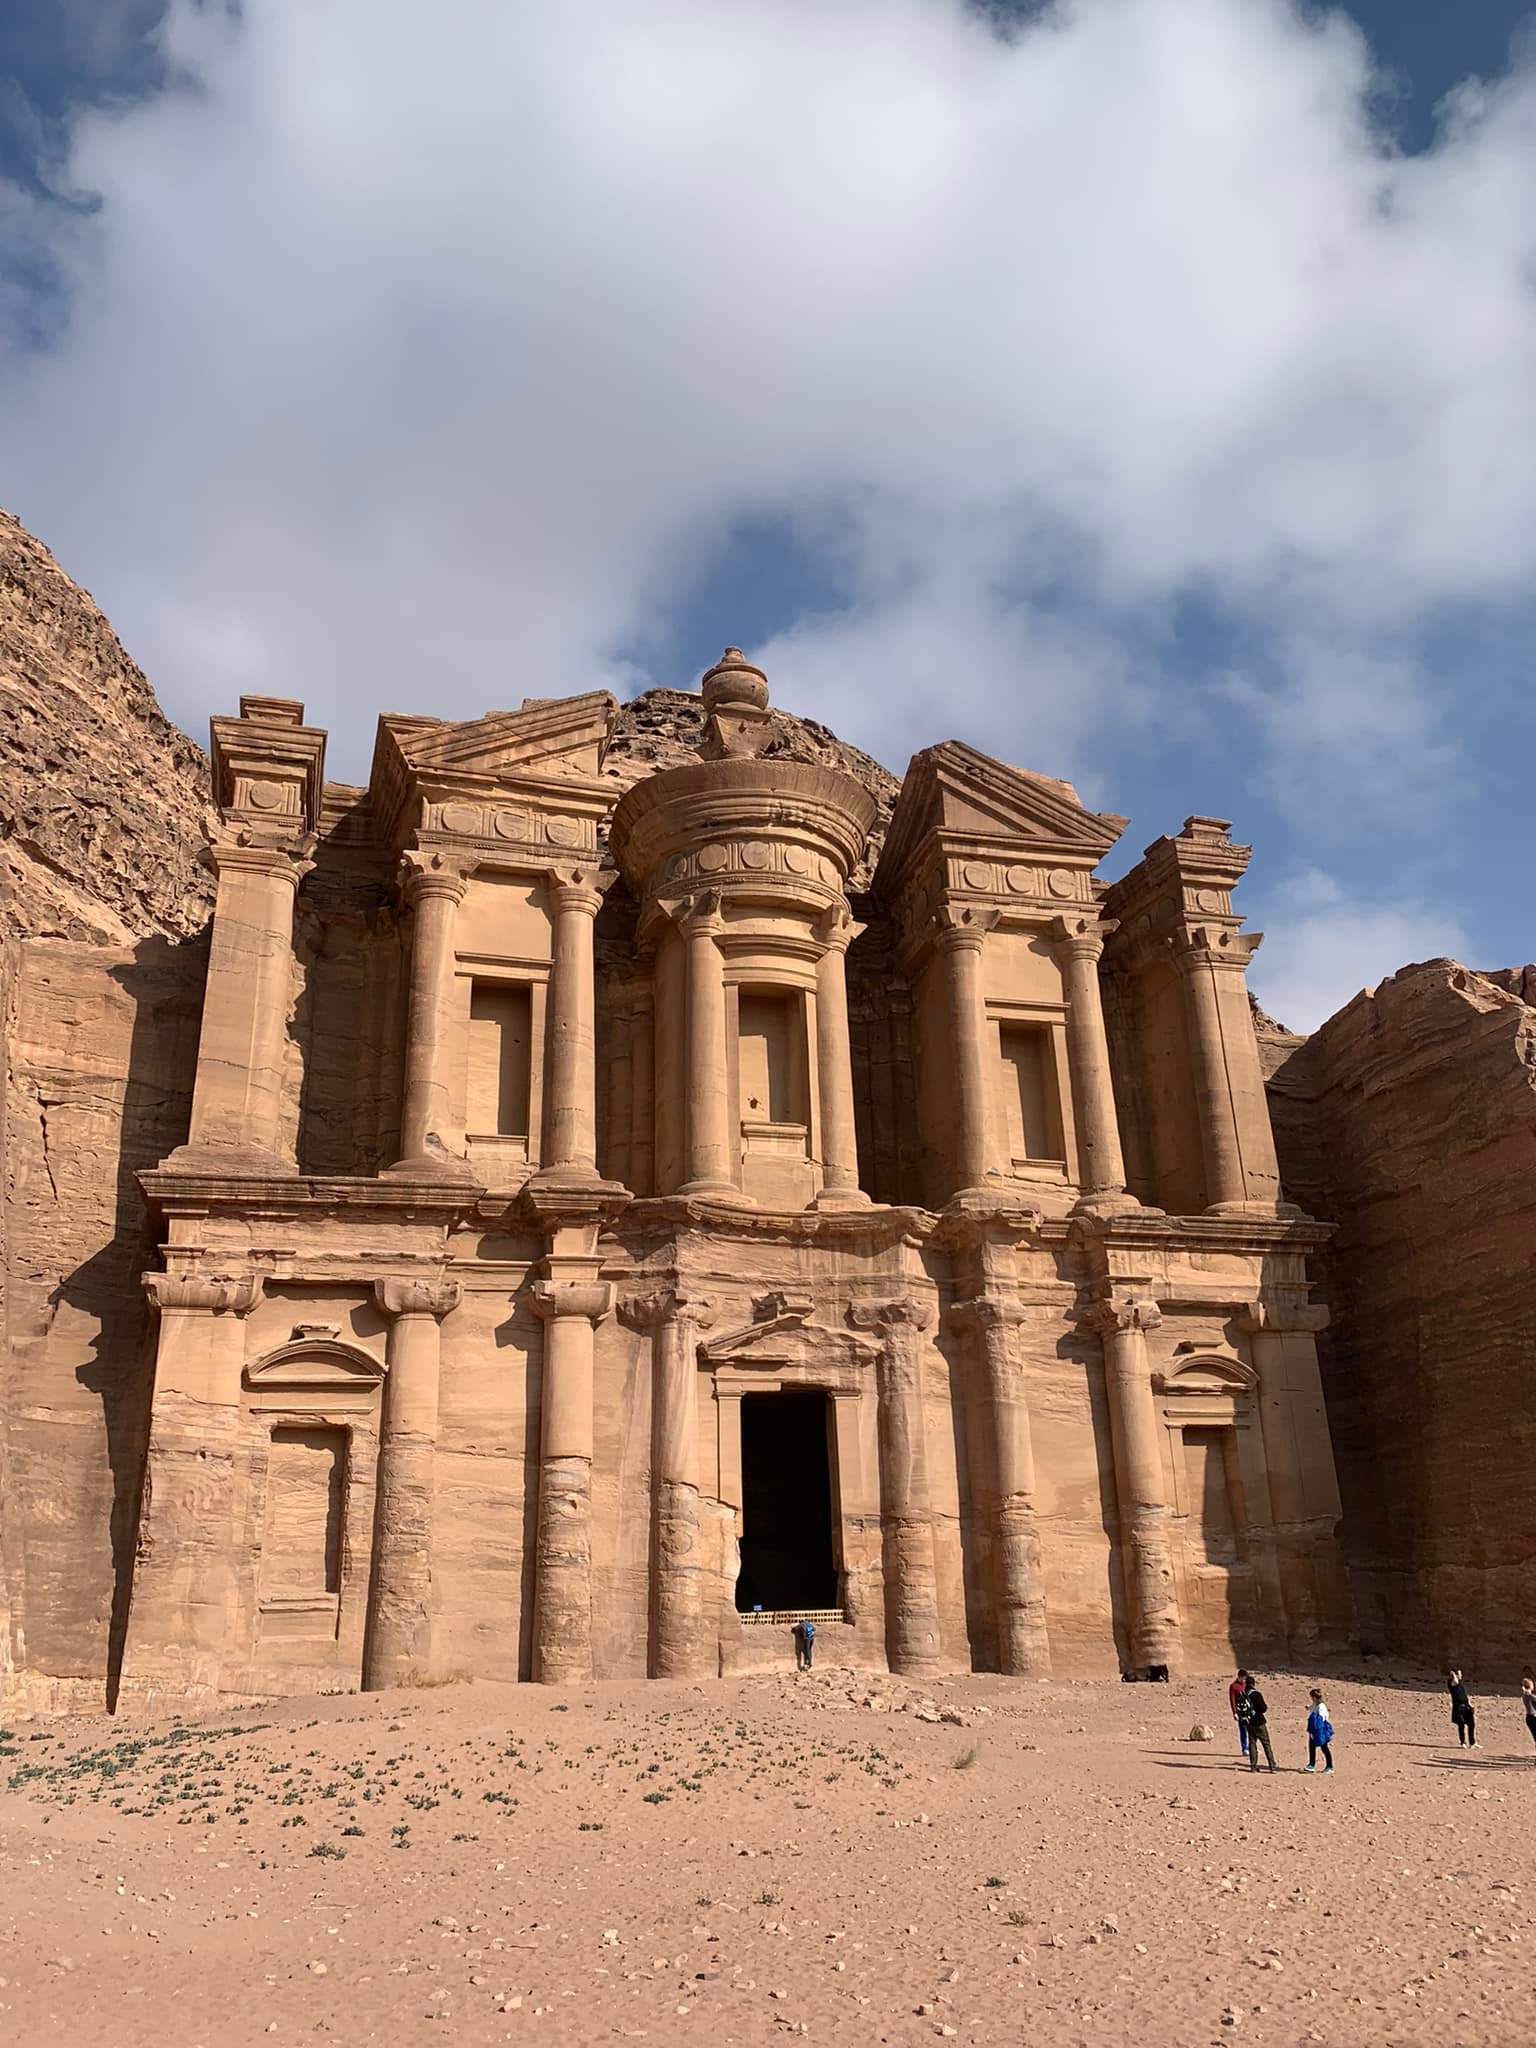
{"type": "Point", "coordinates": [101, 798]}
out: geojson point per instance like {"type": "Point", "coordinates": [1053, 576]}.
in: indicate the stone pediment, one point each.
{"type": "Point", "coordinates": [555, 740]}
{"type": "Point", "coordinates": [314, 1364]}
{"type": "Point", "coordinates": [953, 791]}
{"type": "Point", "coordinates": [782, 1334]}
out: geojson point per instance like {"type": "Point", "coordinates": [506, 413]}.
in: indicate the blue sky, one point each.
{"type": "Point", "coordinates": [1142, 389]}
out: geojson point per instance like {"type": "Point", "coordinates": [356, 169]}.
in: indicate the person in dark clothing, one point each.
{"type": "Point", "coordinates": [1528, 1694]}
{"type": "Point", "coordinates": [1253, 1713]}
{"type": "Point", "coordinates": [1463, 1714]}
{"type": "Point", "coordinates": [1235, 1693]}
{"type": "Point", "coordinates": [805, 1644]}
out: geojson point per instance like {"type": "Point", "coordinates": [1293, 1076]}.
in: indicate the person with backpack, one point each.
{"type": "Point", "coordinates": [1463, 1714]}
{"type": "Point", "coordinates": [805, 1644]}
{"type": "Point", "coordinates": [1319, 1734]}
{"type": "Point", "coordinates": [1235, 1692]}
{"type": "Point", "coordinates": [1253, 1712]}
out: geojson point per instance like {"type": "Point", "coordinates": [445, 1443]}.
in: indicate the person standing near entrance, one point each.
{"type": "Point", "coordinates": [805, 1644]}
{"type": "Point", "coordinates": [1463, 1714]}
{"type": "Point", "coordinates": [1235, 1692]}
{"type": "Point", "coordinates": [1253, 1711]}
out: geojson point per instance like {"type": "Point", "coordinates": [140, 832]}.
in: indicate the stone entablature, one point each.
{"type": "Point", "coordinates": [682, 1149]}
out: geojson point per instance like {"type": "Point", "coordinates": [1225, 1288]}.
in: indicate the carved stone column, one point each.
{"type": "Point", "coordinates": [569, 1151]}
{"type": "Point", "coordinates": [1023, 1643]}
{"type": "Point", "coordinates": [1303, 1482]}
{"type": "Point", "coordinates": [642, 1146]}
{"type": "Point", "coordinates": [678, 1576]}
{"type": "Point", "coordinates": [1146, 1550]}
{"type": "Point", "coordinates": [398, 1648]}
{"type": "Point", "coordinates": [911, 1577]}
{"type": "Point", "coordinates": [434, 888]}
{"type": "Point", "coordinates": [834, 1063]}
{"type": "Point", "coordinates": [183, 1576]}
{"type": "Point", "coordinates": [1079, 948]}
{"type": "Point", "coordinates": [562, 1595]}
{"type": "Point", "coordinates": [958, 944]}
{"type": "Point", "coordinates": [237, 1098]}
{"type": "Point", "coordinates": [710, 1152]}
{"type": "Point", "coordinates": [1237, 1141]}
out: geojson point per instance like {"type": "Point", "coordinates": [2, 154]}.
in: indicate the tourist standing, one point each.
{"type": "Point", "coordinates": [1528, 1694]}
{"type": "Point", "coordinates": [1254, 1713]}
{"type": "Point", "coordinates": [805, 1644]}
{"type": "Point", "coordinates": [1235, 1692]}
{"type": "Point", "coordinates": [1463, 1715]}
{"type": "Point", "coordinates": [1319, 1733]}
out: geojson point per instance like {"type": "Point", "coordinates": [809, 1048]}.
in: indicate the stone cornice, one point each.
{"type": "Point", "coordinates": [267, 1194]}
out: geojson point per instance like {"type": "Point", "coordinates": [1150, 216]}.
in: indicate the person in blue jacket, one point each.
{"type": "Point", "coordinates": [1319, 1734]}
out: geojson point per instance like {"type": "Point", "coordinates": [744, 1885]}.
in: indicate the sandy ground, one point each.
{"type": "Point", "coordinates": [819, 1856]}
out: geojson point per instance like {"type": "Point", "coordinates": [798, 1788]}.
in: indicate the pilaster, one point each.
{"type": "Point", "coordinates": [183, 1596]}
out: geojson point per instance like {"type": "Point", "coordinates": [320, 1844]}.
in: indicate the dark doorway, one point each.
{"type": "Point", "coordinates": [787, 1557]}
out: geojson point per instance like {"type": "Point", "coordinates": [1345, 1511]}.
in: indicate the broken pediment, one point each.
{"type": "Point", "coordinates": [954, 791]}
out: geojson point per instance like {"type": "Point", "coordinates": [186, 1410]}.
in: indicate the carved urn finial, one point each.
{"type": "Point", "coordinates": [733, 682]}
{"type": "Point", "coordinates": [735, 707]}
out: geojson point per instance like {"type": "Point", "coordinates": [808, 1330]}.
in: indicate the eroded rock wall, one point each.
{"type": "Point", "coordinates": [1409, 1121]}
{"type": "Point", "coordinates": [102, 901]}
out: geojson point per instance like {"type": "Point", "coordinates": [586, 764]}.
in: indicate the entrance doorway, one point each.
{"type": "Point", "coordinates": [787, 1554]}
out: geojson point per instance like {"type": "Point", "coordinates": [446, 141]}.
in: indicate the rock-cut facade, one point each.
{"type": "Point", "coordinates": [667, 1210]}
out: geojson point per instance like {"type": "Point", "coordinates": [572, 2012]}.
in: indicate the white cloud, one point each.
{"type": "Point", "coordinates": [418, 355]}
{"type": "Point", "coordinates": [1326, 944]}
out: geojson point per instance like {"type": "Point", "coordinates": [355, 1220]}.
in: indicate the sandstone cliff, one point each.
{"type": "Point", "coordinates": [101, 894]}
{"type": "Point", "coordinates": [1409, 1120]}
{"type": "Point", "coordinates": [101, 797]}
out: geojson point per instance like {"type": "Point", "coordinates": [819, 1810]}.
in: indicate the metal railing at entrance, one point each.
{"type": "Point", "coordinates": [786, 1617]}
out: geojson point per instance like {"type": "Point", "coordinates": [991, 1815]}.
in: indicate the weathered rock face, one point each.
{"type": "Point", "coordinates": [1409, 1120]}
{"type": "Point", "coordinates": [101, 798]}
{"type": "Point", "coordinates": [101, 896]}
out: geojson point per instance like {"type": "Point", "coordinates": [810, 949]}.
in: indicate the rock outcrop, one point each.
{"type": "Point", "coordinates": [101, 798]}
{"type": "Point", "coordinates": [1409, 1120]}
{"type": "Point", "coordinates": [102, 898]}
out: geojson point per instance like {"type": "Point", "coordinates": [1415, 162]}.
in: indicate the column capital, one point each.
{"type": "Point", "coordinates": [1111, 1317]}
{"type": "Point", "coordinates": [906, 1312]}
{"type": "Point", "coordinates": [1218, 946]}
{"type": "Point", "coordinates": [666, 1305]}
{"type": "Point", "coordinates": [961, 927]}
{"type": "Point", "coordinates": [220, 1294]}
{"type": "Point", "coordinates": [425, 875]}
{"type": "Point", "coordinates": [590, 1300]}
{"type": "Point", "coordinates": [425, 1294]}
{"type": "Point", "coordinates": [987, 1312]}
{"type": "Point", "coordinates": [1267, 1317]}
{"type": "Point", "coordinates": [579, 888]}
{"type": "Point", "coordinates": [837, 929]}
{"type": "Point", "coordinates": [236, 849]}
{"type": "Point", "coordinates": [1081, 937]}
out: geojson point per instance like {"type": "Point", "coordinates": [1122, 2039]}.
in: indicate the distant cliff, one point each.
{"type": "Point", "coordinates": [101, 798]}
